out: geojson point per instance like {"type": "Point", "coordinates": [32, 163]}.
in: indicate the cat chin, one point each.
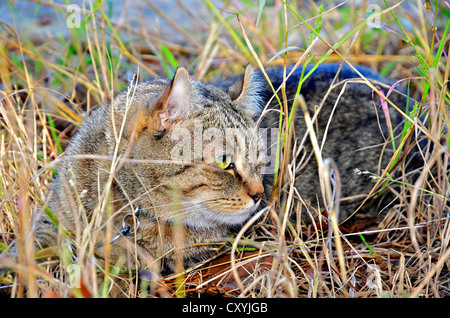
{"type": "Point", "coordinates": [204, 218]}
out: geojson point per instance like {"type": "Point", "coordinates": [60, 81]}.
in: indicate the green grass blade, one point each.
{"type": "Point", "coordinates": [230, 30]}
{"type": "Point", "coordinates": [168, 61]}
{"type": "Point", "coordinates": [54, 135]}
{"type": "Point", "coordinates": [261, 4]}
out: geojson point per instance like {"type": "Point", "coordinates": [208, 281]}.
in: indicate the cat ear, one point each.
{"type": "Point", "coordinates": [173, 103]}
{"type": "Point", "coordinates": [247, 92]}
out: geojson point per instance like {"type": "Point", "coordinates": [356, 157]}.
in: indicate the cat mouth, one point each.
{"type": "Point", "coordinates": [205, 218]}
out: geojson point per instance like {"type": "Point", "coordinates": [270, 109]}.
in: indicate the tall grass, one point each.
{"type": "Point", "coordinates": [49, 84]}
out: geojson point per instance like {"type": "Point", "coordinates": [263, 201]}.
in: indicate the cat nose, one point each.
{"type": "Point", "coordinates": [255, 190]}
{"type": "Point", "coordinates": [256, 196]}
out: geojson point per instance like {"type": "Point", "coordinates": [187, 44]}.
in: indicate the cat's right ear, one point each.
{"type": "Point", "coordinates": [174, 103]}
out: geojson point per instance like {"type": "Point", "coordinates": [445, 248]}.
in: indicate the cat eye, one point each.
{"type": "Point", "coordinates": [224, 161]}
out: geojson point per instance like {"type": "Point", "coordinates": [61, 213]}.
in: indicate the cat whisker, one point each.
{"type": "Point", "coordinates": [193, 209]}
{"type": "Point", "coordinates": [179, 212]}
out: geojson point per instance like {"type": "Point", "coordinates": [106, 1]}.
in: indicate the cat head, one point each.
{"type": "Point", "coordinates": [205, 154]}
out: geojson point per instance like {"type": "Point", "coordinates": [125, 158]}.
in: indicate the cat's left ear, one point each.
{"type": "Point", "coordinates": [247, 92]}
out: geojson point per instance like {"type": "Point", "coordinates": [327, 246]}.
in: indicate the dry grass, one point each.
{"type": "Point", "coordinates": [49, 83]}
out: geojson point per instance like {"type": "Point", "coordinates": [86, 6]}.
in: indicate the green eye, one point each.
{"type": "Point", "coordinates": [224, 161]}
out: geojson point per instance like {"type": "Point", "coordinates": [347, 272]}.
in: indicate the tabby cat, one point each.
{"type": "Point", "coordinates": [173, 164]}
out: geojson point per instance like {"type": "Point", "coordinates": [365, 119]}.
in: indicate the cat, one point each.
{"type": "Point", "coordinates": [174, 164]}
